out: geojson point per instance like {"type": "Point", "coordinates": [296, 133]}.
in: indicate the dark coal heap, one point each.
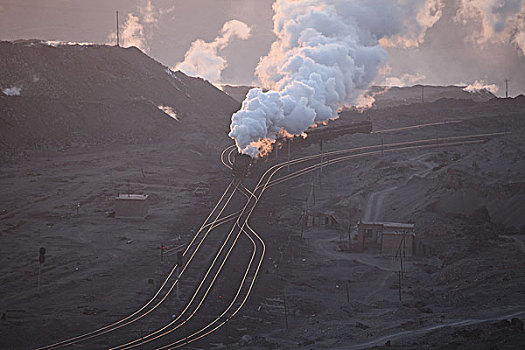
{"type": "Point", "coordinates": [76, 95]}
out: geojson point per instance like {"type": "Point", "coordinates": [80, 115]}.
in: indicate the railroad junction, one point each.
{"type": "Point", "coordinates": [243, 281]}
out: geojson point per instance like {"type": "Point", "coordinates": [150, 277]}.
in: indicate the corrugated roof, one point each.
{"type": "Point", "coordinates": [133, 196]}
{"type": "Point", "coordinates": [389, 224]}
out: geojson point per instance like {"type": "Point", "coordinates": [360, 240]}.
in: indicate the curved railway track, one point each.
{"type": "Point", "coordinates": [161, 295]}
{"type": "Point", "coordinates": [240, 227]}
{"type": "Point", "coordinates": [240, 298]}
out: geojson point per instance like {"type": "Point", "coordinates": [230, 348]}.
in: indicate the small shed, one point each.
{"type": "Point", "coordinates": [397, 243]}
{"type": "Point", "coordinates": [390, 237]}
{"type": "Point", "coordinates": [131, 206]}
{"type": "Point", "coordinates": [320, 219]}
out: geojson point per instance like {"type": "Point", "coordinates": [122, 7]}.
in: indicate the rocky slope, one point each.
{"type": "Point", "coordinates": [71, 94]}
{"type": "Point", "coordinates": [395, 96]}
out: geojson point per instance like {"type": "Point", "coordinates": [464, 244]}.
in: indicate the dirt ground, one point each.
{"type": "Point", "coordinates": [466, 202]}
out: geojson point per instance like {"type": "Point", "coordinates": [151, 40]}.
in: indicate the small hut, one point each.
{"type": "Point", "coordinates": [131, 206]}
{"type": "Point", "coordinates": [389, 237]}
{"type": "Point", "coordinates": [326, 219]}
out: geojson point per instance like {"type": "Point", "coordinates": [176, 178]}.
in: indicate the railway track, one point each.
{"type": "Point", "coordinates": [240, 228]}
{"type": "Point", "coordinates": [240, 298]}
{"type": "Point", "coordinates": [169, 282]}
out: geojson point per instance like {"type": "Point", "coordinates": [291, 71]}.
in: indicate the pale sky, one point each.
{"type": "Point", "coordinates": [445, 57]}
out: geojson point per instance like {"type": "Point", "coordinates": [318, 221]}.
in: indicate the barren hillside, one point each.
{"type": "Point", "coordinates": [62, 96]}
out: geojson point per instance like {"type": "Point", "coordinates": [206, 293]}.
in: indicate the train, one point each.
{"type": "Point", "coordinates": [329, 132]}
{"type": "Point", "coordinates": [242, 163]}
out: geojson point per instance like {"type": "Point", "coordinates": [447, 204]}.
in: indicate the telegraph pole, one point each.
{"type": "Point", "coordinates": [422, 94]}
{"type": "Point", "coordinates": [285, 310]}
{"type": "Point", "coordinates": [227, 319]}
{"type": "Point", "coordinates": [506, 88]}
{"type": "Point", "coordinates": [401, 251]}
{"type": "Point", "coordinates": [118, 36]}
{"type": "Point", "coordinates": [41, 260]}
{"type": "Point", "coordinates": [180, 264]}
{"type": "Point", "coordinates": [313, 191]}
{"type": "Point", "coordinates": [288, 146]}
{"type": "Point", "coordinates": [321, 165]}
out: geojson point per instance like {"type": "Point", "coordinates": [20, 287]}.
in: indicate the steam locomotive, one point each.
{"type": "Point", "coordinates": [330, 132]}
{"type": "Point", "coordinates": [242, 164]}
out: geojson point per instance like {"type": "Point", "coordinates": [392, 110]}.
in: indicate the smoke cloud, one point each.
{"type": "Point", "coordinates": [500, 20]}
{"type": "Point", "coordinates": [133, 33]}
{"type": "Point", "coordinates": [326, 55]}
{"type": "Point", "coordinates": [422, 15]}
{"type": "Point", "coordinates": [169, 111]}
{"type": "Point", "coordinates": [480, 85]}
{"type": "Point", "coordinates": [137, 29]}
{"type": "Point", "coordinates": [404, 80]}
{"type": "Point", "coordinates": [12, 91]}
{"type": "Point", "coordinates": [203, 59]}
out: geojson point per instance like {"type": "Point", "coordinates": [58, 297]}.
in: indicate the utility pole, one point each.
{"type": "Point", "coordinates": [313, 191]}
{"type": "Point", "coordinates": [401, 251]}
{"type": "Point", "coordinates": [422, 94]}
{"type": "Point", "coordinates": [118, 35]}
{"type": "Point", "coordinates": [506, 88]}
{"type": "Point", "coordinates": [321, 165]}
{"type": "Point", "coordinates": [285, 310]}
{"type": "Point", "coordinates": [350, 232]}
{"type": "Point", "coordinates": [304, 219]}
{"type": "Point", "coordinates": [288, 146]}
{"type": "Point", "coordinates": [41, 260]}
{"type": "Point", "coordinates": [227, 333]}
{"type": "Point", "coordinates": [180, 264]}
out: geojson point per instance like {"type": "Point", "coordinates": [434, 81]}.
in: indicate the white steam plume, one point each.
{"type": "Point", "coordinates": [404, 80]}
{"type": "Point", "coordinates": [133, 33]}
{"type": "Point", "coordinates": [500, 20]}
{"type": "Point", "coordinates": [480, 85]}
{"type": "Point", "coordinates": [203, 59]}
{"type": "Point", "coordinates": [137, 29]}
{"type": "Point", "coordinates": [327, 53]}
{"type": "Point", "coordinates": [149, 15]}
{"type": "Point", "coordinates": [12, 91]}
{"type": "Point", "coordinates": [423, 16]}
{"type": "Point", "coordinates": [169, 111]}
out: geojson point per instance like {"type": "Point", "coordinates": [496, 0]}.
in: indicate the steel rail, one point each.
{"type": "Point", "coordinates": [197, 335]}
{"type": "Point", "coordinates": [118, 324]}
{"type": "Point", "coordinates": [418, 126]}
{"type": "Point", "coordinates": [153, 336]}
{"type": "Point", "coordinates": [268, 184]}
{"type": "Point", "coordinates": [218, 223]}
{"type": "Point", "coordinates": [315, 156]}
{"type": "Point", "coordinates": [184, 268]}
{"type": "Point", "coordinates": [222, 157]}
{"type": "Point", "coordinates": [314, 167]}
{"type": "Point", "coordinates": [230, 161]}
{"type": "Point", "coordinates": [218, 321]}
